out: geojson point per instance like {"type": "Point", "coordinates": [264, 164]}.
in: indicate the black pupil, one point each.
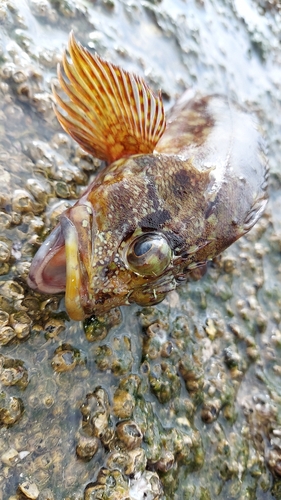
{"type": "Point", "coordinates": [142, 247]}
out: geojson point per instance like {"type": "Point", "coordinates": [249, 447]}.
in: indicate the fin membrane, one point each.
{"type": "Point", "coordinates": [111, 113]}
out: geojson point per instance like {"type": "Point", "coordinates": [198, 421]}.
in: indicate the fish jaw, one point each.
{"type": "Point", "coordinates": [62, 262]}
{"type": "Point", "coordinates": [68, 261]}
{"type": "Point", "coordinates": [74, 281]}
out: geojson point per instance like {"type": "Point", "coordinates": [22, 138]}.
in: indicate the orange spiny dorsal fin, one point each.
{"type": "Point", "coordinates": [111, 113]}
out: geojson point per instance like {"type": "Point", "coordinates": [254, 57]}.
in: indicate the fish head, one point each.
{"type": "Point", "coordinates": [103, 253]}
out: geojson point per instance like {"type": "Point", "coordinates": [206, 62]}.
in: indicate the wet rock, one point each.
{"type": "Point", "coordinates": [10, 457]}
{"type": "Point", "coordinates": [53, 327]}
{"type": "Point", "coordinates": [210, 411]}
{"type": "Point", "coordinates": [11, 409]}
{"type": "Point", "coordinates": [146, 485]}
{"type": "Point", "coordinates": [22, 201]}
{"type": "Point", "coordinates": [166, 462]}
{"type": "Point", "coordinates": [117, 358]}
{"type": "Point", "coordinates": [129, 463]}
{"type": "Point", "coordinates": [164, 382]}
{"type": "Point", "coordinates": [123, 404]}
{"type": "Point", "coordinates": [96, 328]}
{"type": "Point", "coordinates": [110, 485]}
{"type": "Point", "coordinates": [220, 334]}
{"type": "Point", "coordinates": [66, 358]}
{"type": "Point", "coordinates": [87, 447]}
{"type": "Point", "coordinates": [136, 462]}
{"type": "Point", "coordinates": [30, 490]}
{"type": "Point", "coordinates": [21, 323]}
{"type": "Point", "coordinates": [5, 253]}
{"type": "Point", "coordinates": [129, 434]}
{"type": "Point", "coordinates": [191, 370]}
{"type": "Point", "coordinates": [6, 334]}
{"type": "Point", "coordinates": [43, 9]}
{"type": "Point", "coordinates": [95, 413]}
{"type": "Point", "coordinates": [13, 372]}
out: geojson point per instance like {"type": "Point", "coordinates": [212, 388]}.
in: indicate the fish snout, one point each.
{"type": "Point", "coordinates": [63, 260]}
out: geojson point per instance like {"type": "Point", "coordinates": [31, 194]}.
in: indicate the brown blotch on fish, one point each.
{"type": "Point", "coordinates": [171, 197]}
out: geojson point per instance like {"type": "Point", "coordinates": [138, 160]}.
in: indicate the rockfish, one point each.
{"type": "Point", "coordinates": [173, 195]}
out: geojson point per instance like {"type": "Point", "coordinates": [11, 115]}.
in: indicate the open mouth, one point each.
{"type": "Point", "coordinates": [48, 269]}
{"type": "Point", "coordinates": [61, 263]}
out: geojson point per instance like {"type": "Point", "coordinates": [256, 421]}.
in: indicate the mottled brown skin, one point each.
{"type": "Point", "coordinates": [176, 194]}
{"type": "Point", "coordinates": [139, 196]}
{"type": "Point", "coordinates": [202, 188]}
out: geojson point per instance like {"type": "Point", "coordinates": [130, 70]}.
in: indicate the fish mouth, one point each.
{"type": "Point", "coordinates": [61, 263]}
{"type": "Point", "coordinates": [48, 270]}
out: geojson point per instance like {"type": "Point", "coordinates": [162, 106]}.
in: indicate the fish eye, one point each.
{"type": "Point", "coordinates": [148, 255]}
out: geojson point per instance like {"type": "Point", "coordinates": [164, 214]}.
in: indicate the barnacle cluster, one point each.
{"type": "Point", "coordinates": [142, 403]}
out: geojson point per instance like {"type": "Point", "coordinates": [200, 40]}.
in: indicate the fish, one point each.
{"type": "Point", "coordinates": [176, 191]}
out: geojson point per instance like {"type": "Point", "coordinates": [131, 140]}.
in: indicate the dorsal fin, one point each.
{"type": "Point", "coordinates": [111, 113]}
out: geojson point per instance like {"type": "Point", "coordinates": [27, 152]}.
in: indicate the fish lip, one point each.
{"type": "Point", "coordinates": [62, 262]}
{"type": "Point", "coordinates": [76, 285]}
{"type": "Point", "coordinates": [47, 251]}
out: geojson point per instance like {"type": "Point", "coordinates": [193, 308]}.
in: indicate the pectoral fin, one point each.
{"type": "Point", "coordinates": [111, 113]}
